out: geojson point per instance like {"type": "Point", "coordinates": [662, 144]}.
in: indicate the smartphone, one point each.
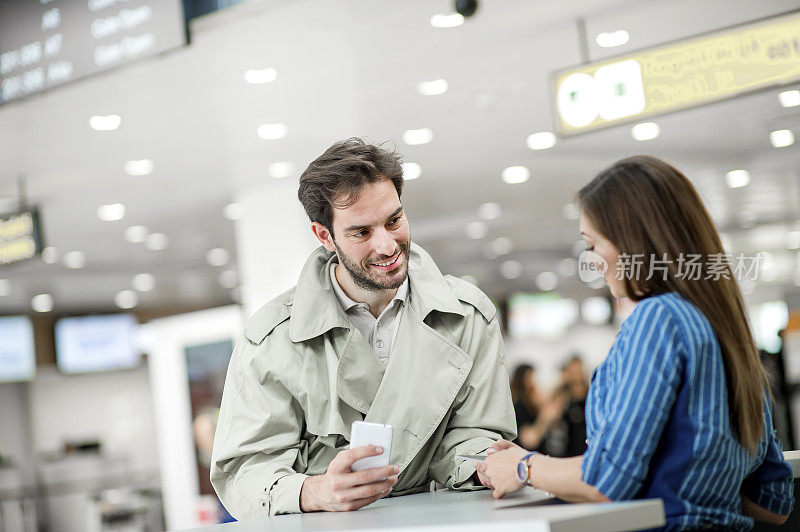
{"type": "Point", "coordinates": [363, 433]}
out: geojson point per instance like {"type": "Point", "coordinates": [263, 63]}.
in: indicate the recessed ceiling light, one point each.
{"type": "Point", "coordinates": [228, 279]}
{"type": "Point", "coordinates": [111, 212]}
{"type": "Point", "coordinates": [415, 137]}
{"type": "Point", "coordinates": [490, 210]}
{"type": "Point", "coordinates": [42, 303]}
{"type": "Point", "coordinates": [74, 259]}
{"type": "Point", "coordinates": [645, 131]}
{"type": "Point", "coordinates": [105, 123]}
{"type": "Point", "coordinates": [611, 39]}
{"type": "Point", "coordinates": [781, 138]}
{"type": "Point", "coordinates": [502, 245]}
{"type": "Point", "coordinates": [5, 287]}
{"type": "Point", "coordinates": [447, 21]}
{"type": "Point", "coordinates": [571, 211]}
{"type": "Point", "coordinates": [737, 178]}
{"type": "Point", "coordinates": [281, 169]}
{"type": "Point", "coordinates": [516, 174]}
{"type": "Point", "coordinates": [793, 240]}
{"type": "Point", "coordinates": [567, 267]}
{"type": "Point", "coordinates": [233, 211]}
{"type": "Point", "coordinates": [411, 171]}
{"type": "Point", "coordinates": [546, 281]}
{"type": "Point", "coordinates": [140, 167]}
{"type": "Point", "coordinates": [136, 234]}
{"type": "Point", "coordinates": [144, 282]}
{"type": "Point", "coordinates": [511, 269]}
{"type": "Point", "coordinates": [156, 241]}
{"type": "Point", "coordinates": [541, 141]}
{"type": "Point", "coordinates": [50, 255]}
{"type": "Point", "coordinates": [432, 88]}
{"type": "Point", "coordinates": [272, 131]}
{"type": "Point", "coordinates": [789, 98]}
{"type": "Point", "coordinates": [126, 299]}
{"type": "Point", "coordinates": [218, 257]}
{"type": "Point", "coordinates": [476, 230]}
{"type": "Point", "coordinates": [260, 76]}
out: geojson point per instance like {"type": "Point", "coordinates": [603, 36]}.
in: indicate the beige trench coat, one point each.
{"type": "Point", "coordinates": [303, 373]}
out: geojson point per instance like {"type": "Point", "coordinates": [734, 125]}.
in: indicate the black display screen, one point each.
{"type": "Point", "coordinates": [45, 43]}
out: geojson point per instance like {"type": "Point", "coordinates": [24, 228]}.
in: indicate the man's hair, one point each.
{"type": "Point", "coordinates": [335, 178]}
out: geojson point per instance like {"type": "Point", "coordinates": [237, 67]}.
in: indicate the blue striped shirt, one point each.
{"type": "Point", "coordinates": [658, 424]}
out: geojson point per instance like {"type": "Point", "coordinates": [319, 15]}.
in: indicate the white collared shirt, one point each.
{"type": "Point", "coordinates": [380, 332]}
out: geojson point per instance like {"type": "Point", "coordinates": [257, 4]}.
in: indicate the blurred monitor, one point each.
{"type": "Point", "coordinates": [17, 354]}
{"type": "Point", "coordinates": [96, 343]}
{"type": "Point", "coordinates": [542, 315]}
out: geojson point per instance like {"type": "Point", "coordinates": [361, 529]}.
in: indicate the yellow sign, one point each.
{"type": "Point", "coordinates": [689, 73]}
{"type": "Point", "coordinates": [19, 237]}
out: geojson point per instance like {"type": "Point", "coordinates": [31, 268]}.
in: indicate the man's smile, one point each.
{"type": "Point", "coordinates": [388, 265]}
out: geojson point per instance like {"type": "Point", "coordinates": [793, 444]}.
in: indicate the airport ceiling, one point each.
{"type": "Point", "coordinates": [351, 68]}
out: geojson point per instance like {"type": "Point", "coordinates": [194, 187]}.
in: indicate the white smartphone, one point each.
{"type": "Point", "coordinates": [363, 433]}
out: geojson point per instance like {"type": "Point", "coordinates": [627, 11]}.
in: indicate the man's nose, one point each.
{"type": "Point", "coordinates": [384, 243]}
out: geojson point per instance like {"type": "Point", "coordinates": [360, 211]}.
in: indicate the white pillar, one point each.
{"type": "Point", "coordinates": [168, 337]}
{"type": "Point", "coordinates": [273, 241]}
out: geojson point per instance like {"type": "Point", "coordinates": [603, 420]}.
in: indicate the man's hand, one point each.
{"type": "Point", "coordinates": [342, 490]}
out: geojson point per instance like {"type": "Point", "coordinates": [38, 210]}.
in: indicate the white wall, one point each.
{"type": "Point", "coordinates": [15, 442]}
{"type": "Point", "coordinates": [114, 407]}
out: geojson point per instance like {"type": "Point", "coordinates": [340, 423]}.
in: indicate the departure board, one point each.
{"type": "Point", "coordinates": [45, 43]}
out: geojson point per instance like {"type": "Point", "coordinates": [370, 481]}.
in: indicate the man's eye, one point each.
{"type": "Point", "coordinates": [394, 221]}
{"type": "Point", "coordinates": [360, 234]}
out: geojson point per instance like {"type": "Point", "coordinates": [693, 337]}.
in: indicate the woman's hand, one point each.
{"type": "Point", "coordinates": [500, 468]}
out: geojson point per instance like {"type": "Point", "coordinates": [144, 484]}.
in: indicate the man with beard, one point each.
{"type": "Point", "coordinates": [372, 331]}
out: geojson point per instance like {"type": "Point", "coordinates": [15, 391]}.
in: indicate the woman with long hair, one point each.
{"type": "Point", "coordinates": [679, 408]}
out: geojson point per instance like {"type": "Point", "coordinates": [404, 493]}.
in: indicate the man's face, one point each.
{"type": "Point", "coordinates": [371, 238]}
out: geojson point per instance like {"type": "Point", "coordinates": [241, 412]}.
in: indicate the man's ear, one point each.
{"type": "Point", "coordinates": [323, 235]}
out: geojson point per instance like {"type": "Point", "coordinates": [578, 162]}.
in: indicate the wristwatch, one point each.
{"type": "Point", "coordinates": [524, 469]}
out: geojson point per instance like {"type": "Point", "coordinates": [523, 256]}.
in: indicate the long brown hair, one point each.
{"type": "Point", "coordinates": [647, 208]}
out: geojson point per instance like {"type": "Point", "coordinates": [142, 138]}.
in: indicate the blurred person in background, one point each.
{"type": "Point", "coordinates": [534, 415]}
{"type": "Point", "coordinates": [679, 410]}
{"type": "Point", "coordinates": [576, 387]}
{"type": "Point", "coordinates": [372, 331]}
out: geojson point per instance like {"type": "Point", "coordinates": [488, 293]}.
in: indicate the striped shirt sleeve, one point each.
{"type": "Point", "coordinates": [645, 375]}
{"type": "Point", "coordinates": [770, 485]}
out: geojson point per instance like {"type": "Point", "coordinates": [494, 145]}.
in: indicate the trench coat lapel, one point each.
{"type": "Point", "coordinates": [426, 370]}
{"type": "Point", "coordinates": [359, 373]}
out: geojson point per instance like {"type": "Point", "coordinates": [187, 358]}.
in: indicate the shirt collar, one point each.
{"type": "Point", "coordinates": [314, 311]}
{"type": "Point", "coordinates": [347, 303]}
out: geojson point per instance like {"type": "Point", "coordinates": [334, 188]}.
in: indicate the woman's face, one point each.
{"type": "Point", "coordinates": [608, 252]}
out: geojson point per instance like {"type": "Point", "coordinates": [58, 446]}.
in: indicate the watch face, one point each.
{"type": "Point", "coordinates": [522, 471]}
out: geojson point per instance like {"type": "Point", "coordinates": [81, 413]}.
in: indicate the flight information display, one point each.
{"type": "Point", "coordinates": [96, 343]}
{"type": "Point", "coordinates": [17, 353]}
{"type": "Point", "coordinates": [45, 43]}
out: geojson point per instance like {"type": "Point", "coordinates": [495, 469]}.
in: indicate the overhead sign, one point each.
{"type": "Point", "coordinates": [692, 72]}
{"type": "Point", "coordinates": [46, 43]}
{"type": "Point", "coordinates": [20, 237]}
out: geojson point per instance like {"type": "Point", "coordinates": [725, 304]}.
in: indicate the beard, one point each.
{"type": "Point", "coordinates": [373, 281]}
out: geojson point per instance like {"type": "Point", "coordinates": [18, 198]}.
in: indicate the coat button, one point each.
{"type": "Point", "coordinates": [288, 302]}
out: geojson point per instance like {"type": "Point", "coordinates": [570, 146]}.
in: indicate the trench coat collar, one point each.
{"type": "Point", "coordinates": [316, 311]}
